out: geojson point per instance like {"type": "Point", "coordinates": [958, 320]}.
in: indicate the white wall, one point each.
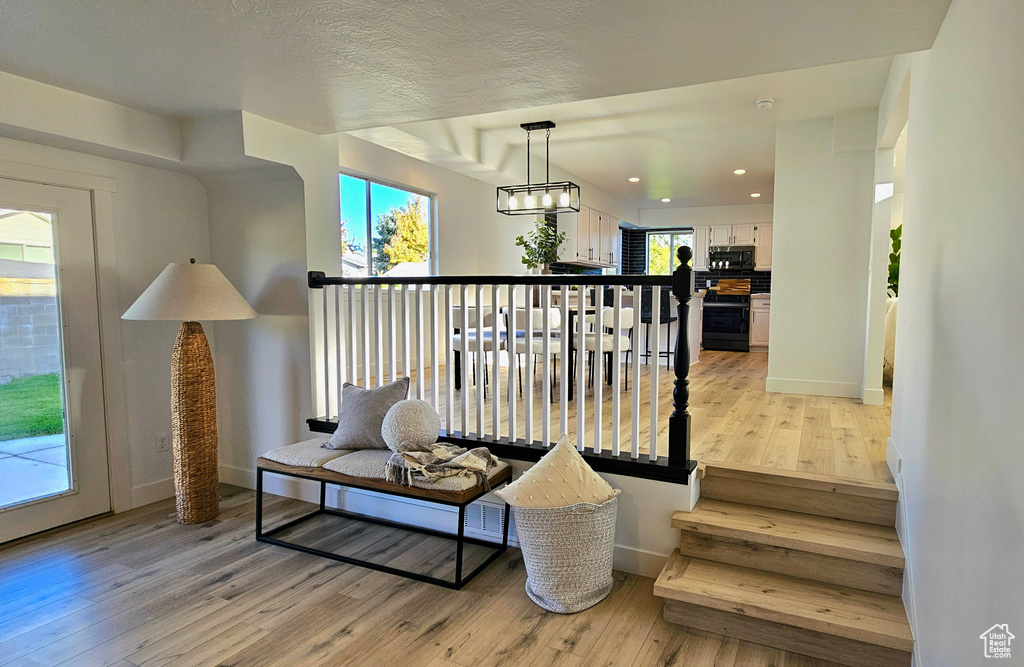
{"type": "Point", "coordinates": [472, 237]}
{"type": "Point", "coordinates": [65, 119]}
{"type": "Point", "coordinates": [958, 389]}
{"type": "Point", "coordinates": [705, 215]}
{"type": "Point", "coordinates": [159, 217]}
{"type": "Point", "coordinates": [821, 236]}
{"type": "Point", "coordinates": [258, 239]}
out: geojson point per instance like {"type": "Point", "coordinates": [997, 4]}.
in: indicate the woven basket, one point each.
{"type": "Point", "coordinates": [568, 554]}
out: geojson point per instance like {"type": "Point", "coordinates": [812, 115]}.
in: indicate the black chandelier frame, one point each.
{"type": "Point", "coordinates": [563, 195]}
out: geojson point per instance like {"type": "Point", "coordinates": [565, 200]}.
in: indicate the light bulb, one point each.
{"type": "Point", "coordinates": [512, 203]}
{"type": "Point", "coordinates": [529, 201]}
{"type": "Point", "coordinates": [564, 198]}
{"type": "Point", "coordinates": [546, 200]}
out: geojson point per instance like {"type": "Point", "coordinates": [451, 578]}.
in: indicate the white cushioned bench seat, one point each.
{"type": "Point", "coordinates": [307, 454]}
{"type": "Point", "coordinates": [369, 463]}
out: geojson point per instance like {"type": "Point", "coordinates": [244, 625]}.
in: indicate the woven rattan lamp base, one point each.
{"type": "Point", "coordinates": [194, 426]}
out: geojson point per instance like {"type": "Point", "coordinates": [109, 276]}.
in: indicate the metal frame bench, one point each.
{"type": "Point", "coordinates": [460, 499]}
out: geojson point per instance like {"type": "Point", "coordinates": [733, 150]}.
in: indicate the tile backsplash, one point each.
{"type": "Point", "coordinates": [634, 251]}
{"type": "Point", "coordinates": [760, 281]}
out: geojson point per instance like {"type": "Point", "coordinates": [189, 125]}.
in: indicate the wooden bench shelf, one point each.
{"type": "Point", "coordinates": [459, 499]}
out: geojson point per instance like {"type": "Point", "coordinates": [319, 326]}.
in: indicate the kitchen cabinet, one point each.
{"type": "Point", "coordinates": [763, 247]}
{"type": "Point", "coordinates": [609, 239]}
{"type": "Point", "coordinates": [592, 237]}
{"type": "Point", "coordinates": [700, 247]}
{"type": "Point", "coordinates": [743, 234]}
{"type": "Point", "coordinates": [725, 235]}
{"type": "Point", "coordinates": [721, 235]}
{"type": "Point", "coordinates": [760, 311]}
{"type": "Point", "coordinates": [696, 327]}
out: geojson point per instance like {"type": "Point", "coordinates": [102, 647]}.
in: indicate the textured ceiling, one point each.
{"type": "Point", "coordinates": [683, 143]}
{"type": "Point", "coordinates": [328, 65]}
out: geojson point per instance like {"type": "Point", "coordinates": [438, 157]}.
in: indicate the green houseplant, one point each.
{"type": "Point", "coordinates": [540, 246]}
{"type": "Point", "coordinates": [894, 260]}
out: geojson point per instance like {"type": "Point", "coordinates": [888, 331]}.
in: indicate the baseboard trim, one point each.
{"type": "Point", "coordinates": [872, 396]}
{"type": "Point", "coordinates": [812, 387]}
{"type": "Point", "coordinates": [144, 494]}
{"type": "Point", "coordinates": [638, 561]}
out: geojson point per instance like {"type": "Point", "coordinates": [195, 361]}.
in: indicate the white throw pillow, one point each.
{"type": "Point", "coordinates": [411, 422]}
{"type": "Point", "coordinates": [560, 479]}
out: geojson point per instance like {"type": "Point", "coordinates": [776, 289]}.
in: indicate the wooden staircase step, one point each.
{"type": "Point", "coordinates": [794, 530]}
{"type": "Point", "coordinates": [847, 553]}
{"type": "Point", "coordinates": [820, 495]}
{"type": "Point", "coordinates": [830, 622]}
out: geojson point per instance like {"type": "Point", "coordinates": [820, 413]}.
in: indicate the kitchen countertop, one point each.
{"type": "Point", "coordinates": [761, 295]}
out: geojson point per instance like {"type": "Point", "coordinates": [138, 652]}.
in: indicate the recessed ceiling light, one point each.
{"type": "Point", "coordinates": [634, 179]}
{"type": "Point", "coordinates": [739, 172]}
{"type": "Point", "coordinates": [755, 195]}
{"type": "Point", "coordinates": [665, 200]}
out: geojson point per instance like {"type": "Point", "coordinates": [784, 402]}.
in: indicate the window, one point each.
{"type": "Point", "coordinates": [385, 230]}
{"type": "Point", "coordinates": [12, 251]}
{"type": "Point", "coordinates": [661, 250]}
{"type": "Point", "coordinates": [39, 254]}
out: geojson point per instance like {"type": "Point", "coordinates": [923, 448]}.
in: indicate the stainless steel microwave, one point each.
{"type": "Point", "coordinates": [731, 259]}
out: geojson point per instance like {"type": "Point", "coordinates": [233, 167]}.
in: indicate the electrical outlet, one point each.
{"type": "Point", "coordinates": [162, 443]}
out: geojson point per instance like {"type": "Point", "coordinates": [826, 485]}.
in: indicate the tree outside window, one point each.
{"type": "Point", "coordinates": [661, 250]}
{"type": "Point", "coordinates": [384, 230]}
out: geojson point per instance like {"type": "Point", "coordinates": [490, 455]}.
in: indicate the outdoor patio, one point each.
{"type": "Point", "coordinates": [32, 468]}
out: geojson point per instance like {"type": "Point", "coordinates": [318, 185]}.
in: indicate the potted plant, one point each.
{"type": "Point", "coordinates": [541, 246]}
{"type": "Point", "coordinates": [894, 260]}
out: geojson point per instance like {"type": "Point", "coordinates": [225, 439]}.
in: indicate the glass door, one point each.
{"type": "Point", "coordinates": [53, 456]}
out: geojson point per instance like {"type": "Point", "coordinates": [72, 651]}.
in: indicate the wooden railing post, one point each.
{"type": "Point", "coordinates": [679, 421]}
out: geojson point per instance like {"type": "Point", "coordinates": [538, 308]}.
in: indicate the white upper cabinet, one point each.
{"type": "Point", "coordinates": [732, 235]}
{"type": "Point", "coordinates": [700, 248]}
{"type": "Point", "coordinates": [763, 247]}
{"type": "Point", "coordinates": [609, 239]}
{"type": "Point", "coordinates": [592, 237]}
{"type": "Point", "coordinates": [571, 224]}
{"type": "Point", "coordinates": [721, 235]}
{"type": "Point", "coordinates": [743, 234]}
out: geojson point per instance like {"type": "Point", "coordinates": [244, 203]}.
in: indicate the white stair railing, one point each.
{"type": "Point", "coordinates": [465, 342]}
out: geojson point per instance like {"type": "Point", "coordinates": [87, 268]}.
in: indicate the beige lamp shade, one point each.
{"type": "Point", "coordinates": [190, 293]}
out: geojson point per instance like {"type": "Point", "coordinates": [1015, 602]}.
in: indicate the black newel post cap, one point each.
{"type": "Point", "coordinates": [685, 254]}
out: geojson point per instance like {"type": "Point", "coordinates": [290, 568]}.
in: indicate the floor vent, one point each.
{"type": "Point", "coordinates": [484, 520]}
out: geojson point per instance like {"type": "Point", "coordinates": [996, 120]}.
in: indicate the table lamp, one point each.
{"type": "Point", "coordinates": [188, 293]}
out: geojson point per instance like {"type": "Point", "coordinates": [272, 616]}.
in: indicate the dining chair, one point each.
{"type": "Point", "coordinates": [667, 316]}
{"type": "Point", "coordinates": [473, 346]}
{"type": "Point", "coordinates": [536, 317]}
{"type": "Point", "coordinates": [626, 324]}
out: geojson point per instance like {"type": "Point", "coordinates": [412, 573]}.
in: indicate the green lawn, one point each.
{"type": "Point", "coordinates": [31, 406]}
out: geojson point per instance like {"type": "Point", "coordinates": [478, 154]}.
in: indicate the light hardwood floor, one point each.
{"type": "Point", "coordinates": [139, 589]}
{"type": "Point", "coordinates": [733, 419]}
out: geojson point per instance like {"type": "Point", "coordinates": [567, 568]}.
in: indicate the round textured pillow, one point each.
{"type": "Point", "coordinates": [410, 422]}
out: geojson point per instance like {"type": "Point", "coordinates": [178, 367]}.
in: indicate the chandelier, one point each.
{"type": "Point", "coordinates": [539, 198]}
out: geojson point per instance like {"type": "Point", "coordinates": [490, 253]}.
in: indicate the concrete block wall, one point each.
{"type": "Point", "coordinates": [29, 337]}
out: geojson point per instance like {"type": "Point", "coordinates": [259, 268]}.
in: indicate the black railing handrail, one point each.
{"type": "Point", "coordinates": [318, 280]}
